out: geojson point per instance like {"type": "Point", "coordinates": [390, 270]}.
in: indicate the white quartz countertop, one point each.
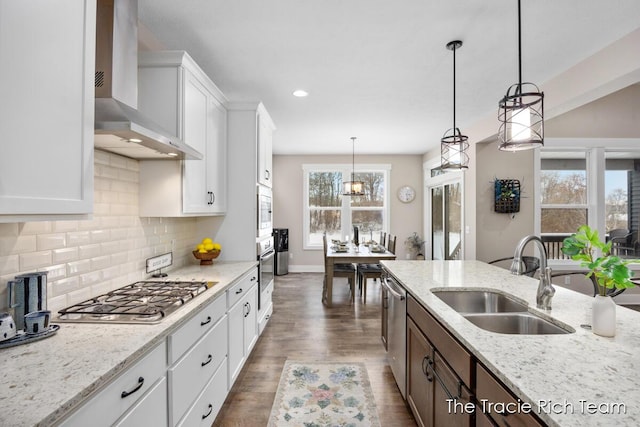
{"type": "Point", "coordinates": [577, 379]}
{"type": "Point", "coordinates": [43, 380]}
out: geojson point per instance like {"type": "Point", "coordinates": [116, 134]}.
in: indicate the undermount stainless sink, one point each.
{"type": "Point", "coordinates": [480, 302]}
{"type": "Point", "coordinates": [497, 312]}
{"type": "Point", "coordinates": [524, 323]}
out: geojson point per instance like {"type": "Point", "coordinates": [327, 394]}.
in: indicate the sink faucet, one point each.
{"type": "Point", "coordinates": [545, 290]}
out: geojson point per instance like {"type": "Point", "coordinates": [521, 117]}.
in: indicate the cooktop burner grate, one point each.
{"type": "Point", "coordinates": [140, 302]}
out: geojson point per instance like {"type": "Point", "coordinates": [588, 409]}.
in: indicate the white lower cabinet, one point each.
{"type": "Point", "coordinates": [189, 376]}
{"type": "Point", "coordinates": [242, 300]}
{"type": "Point", "coordinates": [205, 409]}
{"type": "Point", "coordinates": [184, 380]}
{"type": "Point", "coordinates": [128, 393]}
{"type": "Point", "coordinates": [149, 411]}
{"type": "Point", "coordinates": [266, 308]}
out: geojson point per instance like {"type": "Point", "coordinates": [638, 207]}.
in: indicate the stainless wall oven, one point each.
{"type": "Point", "coordinates": [265, 225]}
{"type": "Point", "coordinates": [266, 264]}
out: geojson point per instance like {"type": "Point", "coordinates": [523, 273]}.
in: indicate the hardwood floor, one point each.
{"type": "Point", "coordinates": [302, 328]}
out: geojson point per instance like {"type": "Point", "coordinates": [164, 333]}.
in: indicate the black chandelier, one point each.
{"type": "Point", "coordinates": [454, 145]}
{"type": "Point", "coordinates": [521, 112]}
{"type": "Point", "coordinates": [353, 187]}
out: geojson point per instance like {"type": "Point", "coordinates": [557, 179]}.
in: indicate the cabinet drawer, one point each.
{"type": "Point", "coordinates": [109, 404]}
{"type": "Point", "coordinates": [206, 408]}
{"type": "Point", "coordinates": [454, 353]}
{"type": "Point", "coordinates": [151, 411]}
{"type": "Point", "coordinates": [489, 391]}
{"type": "Point", "coordinates": [450, 396]}
{"type": "Point", "coordinates": [190, 332]}
{"type": "Point", "coordinates": [241, 288]}
{"type": "Point", "coordinates": [188, 377]}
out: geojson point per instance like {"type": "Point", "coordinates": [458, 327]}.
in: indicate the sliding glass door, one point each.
{"type": "Point", "coordinates": [444, 214]}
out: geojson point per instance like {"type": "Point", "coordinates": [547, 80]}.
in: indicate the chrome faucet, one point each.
{"type": "Point", "coordinates": [545, 290]}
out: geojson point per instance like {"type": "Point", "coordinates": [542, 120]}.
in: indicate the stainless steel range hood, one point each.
{"type": "Point", "coordinates": [119, 126]}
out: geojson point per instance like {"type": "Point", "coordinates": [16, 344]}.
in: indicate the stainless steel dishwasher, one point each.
{"type": "Point", "coordinates": [396, 305]}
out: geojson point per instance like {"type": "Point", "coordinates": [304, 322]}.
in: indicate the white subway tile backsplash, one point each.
{"type": "Point", "coordinates": [64, 226]}
{"type": "Point", "coordinates": [78, 238]}
{"type": "Point", "coordinates": [78, 267]}
{"type": "Point", "coordinates": [65, 286]}
{"type": "Point", "coordinates": [37, 227]}
{"type": "Point", "coordinates": [50, 241]}
{"type": "Point", "coordinates": [91, 278]}
{"type": "Point", "coordinates": [55, 272]}
{"type": "Point", "coordinates": [33, 260]}
{"type": "Point", "coordinates": [56, 304]}
{"type": "Point", "coordinates": [64, 254]}
{"type": "Point", "coordinates": [9, 229]}
{"type": "Point", "coordinates": [98, 236]}
{"type": "Point", "coordinates": [86, 258]}
{"type": "Point", "coordinates": [100, 262]}
{"type": "Point", "coordinates": [9, 264]}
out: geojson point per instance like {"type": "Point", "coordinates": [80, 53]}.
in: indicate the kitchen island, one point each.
{"type": "Point", "coordinates": [576, 379]}
{"type": "Point", "coordinates": [43, 381]}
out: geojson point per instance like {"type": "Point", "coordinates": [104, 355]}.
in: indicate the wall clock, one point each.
{"type": "Point", "coordinates": [406, 194]}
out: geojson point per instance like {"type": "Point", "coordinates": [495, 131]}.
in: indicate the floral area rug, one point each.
{"type": "Point", "coordinates": [323, 394]}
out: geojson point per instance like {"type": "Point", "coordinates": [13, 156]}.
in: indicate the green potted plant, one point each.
{"type": "Point", "coordinates": [414, 244]}
{"type": "Point", "coordinates": [610, 271]}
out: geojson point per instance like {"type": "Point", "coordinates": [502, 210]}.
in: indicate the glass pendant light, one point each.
{"type": "Point", "coordinates": [353, 187]}
{"type": "Point", "coordinates": [454, 145]}
{"type": "Point", "coordinates": [521, 112]}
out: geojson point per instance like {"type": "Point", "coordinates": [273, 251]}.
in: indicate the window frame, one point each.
{"type": "Point", "coordinates": [595, 149]}
{"type": "Point", "coordinates": [345, 169]}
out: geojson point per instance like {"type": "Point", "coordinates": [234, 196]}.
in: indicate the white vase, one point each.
{"type": "Point", "coordinates": [603, 316]}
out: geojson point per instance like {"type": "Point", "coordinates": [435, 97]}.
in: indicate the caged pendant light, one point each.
{"type": "Point", "coordinates": [521, 112]}
{"type": "Point", "coordinates": [353, 187]}
{"type": "Point", "coordinates": [454, 145]}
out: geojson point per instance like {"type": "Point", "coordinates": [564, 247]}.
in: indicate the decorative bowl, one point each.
{"type": "Point", "coordinates": [206, 258]}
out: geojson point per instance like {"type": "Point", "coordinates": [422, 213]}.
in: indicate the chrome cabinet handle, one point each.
{"type": "Point", "coordinates": [206, 321]}
{"type": "Point", "coordinates": [239, 291]}
{"type": "Point", "coordinates": [212, 197]}
{"type": "Point", "coordinates": [208, 413]}
{"type": "Point", "coordinates": [206, 362]}
{"type": "Point", "coordinates": [136, 388]}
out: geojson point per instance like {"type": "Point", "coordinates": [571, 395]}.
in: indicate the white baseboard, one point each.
{"type": "Point", "coordinates": [306, 268]}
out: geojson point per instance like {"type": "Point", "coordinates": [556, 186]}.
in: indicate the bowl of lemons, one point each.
{"type": "Point", "coordinates": [206, 251]}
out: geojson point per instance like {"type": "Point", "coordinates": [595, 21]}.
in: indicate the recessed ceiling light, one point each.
{"type": "Point", "coordinates": [300, 93]}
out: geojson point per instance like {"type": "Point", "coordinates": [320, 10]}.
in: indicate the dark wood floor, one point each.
{"type": "Point", "coordinates": [302, 328]}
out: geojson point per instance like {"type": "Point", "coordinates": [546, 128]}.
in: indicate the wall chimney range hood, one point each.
{"type": "Point", "coordinates": [119, 127]}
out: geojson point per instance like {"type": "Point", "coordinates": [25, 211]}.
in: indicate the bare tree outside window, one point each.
{"type": "Point", "coordinates": [568, 191]}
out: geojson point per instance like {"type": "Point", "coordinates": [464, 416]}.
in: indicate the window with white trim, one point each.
{"type": "Point", "coordinates": [594, 182]}
{"type": "Point", "coordinates": [327, 210]}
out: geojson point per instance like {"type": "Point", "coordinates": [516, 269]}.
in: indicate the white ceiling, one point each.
{"type": "Point", "coordinates": [379, 69]}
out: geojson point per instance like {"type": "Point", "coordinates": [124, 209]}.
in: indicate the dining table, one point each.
{"type": "Point", "coordinates": [352, 254]}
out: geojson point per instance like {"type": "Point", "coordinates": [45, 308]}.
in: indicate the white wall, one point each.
{"type": "Point", "coordinates": [288, 201]}
{"type": "Point", "coordinates": [87, 258]}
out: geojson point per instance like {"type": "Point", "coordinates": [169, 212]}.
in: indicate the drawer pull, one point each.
{"type": "Point", "coordinates": [136, 388]}
{"type": "Point", "coordinates": [208, 413]}
{"type": "Point", "coordinates": [253, 278]}
{"type": "Point", "coordinates": [239, 291]}
{"type": "Point", "coordinates": [209, 359]}
{"type": "Point", "coordinates": [425, 368]}
{"type": "Point", "coordinates": [206, 321]}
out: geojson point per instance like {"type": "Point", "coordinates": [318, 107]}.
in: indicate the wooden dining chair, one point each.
{"type": "Point", "coordinates": [339, 270]}
{"type": "Point", "coordinates": [372, 271]}
{"type": "Point", "coordinates": [391, 243]}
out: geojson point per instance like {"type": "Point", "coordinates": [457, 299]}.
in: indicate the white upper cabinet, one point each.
{"type": "Point", "coordinates": [179, 96]}
{"type": "Point", "coordinates": [265, 148]}
{"type": "Point", "coordinates": [47, 52]}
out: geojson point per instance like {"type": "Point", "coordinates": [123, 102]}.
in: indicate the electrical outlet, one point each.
{"type": "Point", "coordinates": [290, 255]}
{"type": "Point", "coordinates": [567, 280]}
